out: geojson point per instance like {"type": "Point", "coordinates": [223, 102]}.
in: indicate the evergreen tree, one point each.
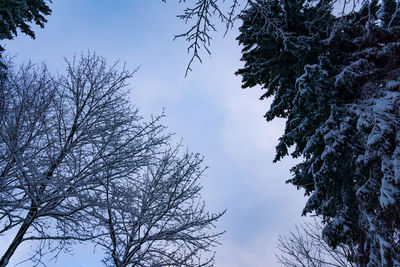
{"type": "Point", "coordinates": [18, 14]}
{"type": "Point", "coordinates": [336, 79]}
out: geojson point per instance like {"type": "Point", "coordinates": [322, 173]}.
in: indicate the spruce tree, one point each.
{"type": "Point", "coordinates": [18, 14]}
{"type": "Point", "coordinates": [336, 79]}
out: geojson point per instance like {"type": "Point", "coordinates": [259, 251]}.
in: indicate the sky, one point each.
{"type": "Point", "coordinates": [208, 110]}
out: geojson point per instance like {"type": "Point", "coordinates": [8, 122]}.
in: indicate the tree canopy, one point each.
{"type": "Point", "coordinates": [334, 75]}
{"type": "Point", "coordinates": [77, 163]}
{"type": "Point", "coordinates": [335, 78]}
{"type": "Point", "coordinates": [18, 14]}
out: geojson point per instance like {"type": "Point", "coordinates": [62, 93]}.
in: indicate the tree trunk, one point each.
{"type": "Point", "coordinates": [30, 217]}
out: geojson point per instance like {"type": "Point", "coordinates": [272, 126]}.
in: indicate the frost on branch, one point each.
{"type": "Point", "coordinates": [157, 218]}
{"type": "Point", "coordinates": [77, 163]}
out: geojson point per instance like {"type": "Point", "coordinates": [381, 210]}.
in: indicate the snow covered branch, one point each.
{"type": "Point", "coordinates": [73, 148]}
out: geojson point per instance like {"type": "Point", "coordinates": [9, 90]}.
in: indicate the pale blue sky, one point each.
{"type": "Point", "coordinates": [208, 109]}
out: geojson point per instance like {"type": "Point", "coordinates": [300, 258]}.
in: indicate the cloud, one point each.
{"type": "Point", "coordinates": [208, 109]}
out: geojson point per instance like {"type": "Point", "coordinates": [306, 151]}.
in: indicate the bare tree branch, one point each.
{"type": "Point", "coordinates": [77, 162]}
{"type": "Point", "coordinates": [306, 247]}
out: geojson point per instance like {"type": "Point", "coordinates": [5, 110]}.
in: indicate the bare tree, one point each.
{"type": "Point", "coordinates": [157, 218]}
{"type": "Point", "coordinates": [65, 145]}
{"type": "Point", "coordinates": [306, 247]}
